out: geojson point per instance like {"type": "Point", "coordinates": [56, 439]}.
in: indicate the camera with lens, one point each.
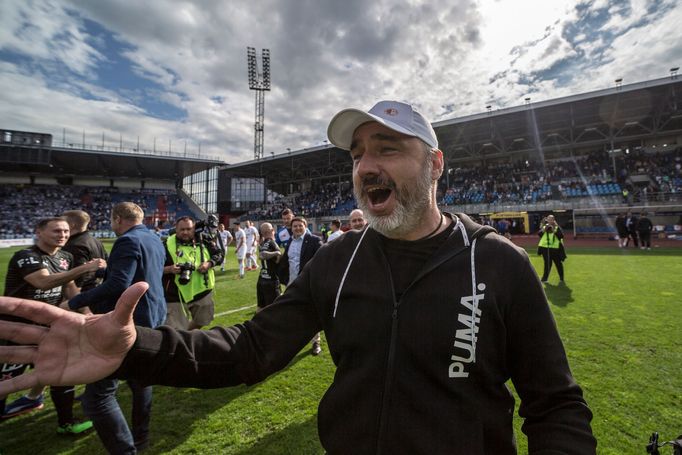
{"type": "Point", "coordinates": [186, 269]}
{"type": "Point", "coordinates": [206, 231]}
{"type": "Point", "coordinates": [548, 227]}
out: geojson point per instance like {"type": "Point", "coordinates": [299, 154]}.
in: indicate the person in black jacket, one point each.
{"type": "Point", "coordinates": [644, 228]}
{"type": "Point", "coordinates": [427, 316]}
{"type": "Point", "coordinates": [622, 230]}
{"type": "Point", "coordinates": [84, 247]}
{"type": "Point", "coordinates": [631, 225]}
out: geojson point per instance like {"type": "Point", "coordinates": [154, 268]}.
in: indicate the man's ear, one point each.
{"type": "Point", "coordinates": [437, 161]}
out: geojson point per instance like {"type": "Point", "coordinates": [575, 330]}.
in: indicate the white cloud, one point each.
{"type": "Point", "coordinates": [449, 57]}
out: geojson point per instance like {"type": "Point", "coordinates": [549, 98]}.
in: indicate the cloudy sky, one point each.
{"type": "Point", "coordinates": [176, 71]}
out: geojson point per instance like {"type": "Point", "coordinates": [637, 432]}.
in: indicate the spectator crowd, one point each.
{"type": "Point", "coordinates": [23, 205]}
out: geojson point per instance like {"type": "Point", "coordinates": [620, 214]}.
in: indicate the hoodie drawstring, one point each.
{"type": "Point", "coordinates": [343, 279]}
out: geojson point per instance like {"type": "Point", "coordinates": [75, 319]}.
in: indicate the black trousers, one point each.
{"type": "Point", "coordinates": [267, 291]}
{"type": "Point", "coordinates": [645, 238]}
{"type": "Point", "coordinates": [549, 256]}
{"type": "Point", "coordinates": [633, 235]}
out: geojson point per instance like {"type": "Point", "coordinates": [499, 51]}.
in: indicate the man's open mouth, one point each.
{"type": "Point", "coordinates": [378, 195]}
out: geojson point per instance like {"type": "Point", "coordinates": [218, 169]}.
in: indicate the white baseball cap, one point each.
{"type": "Point", "coordinates": [400, 117]}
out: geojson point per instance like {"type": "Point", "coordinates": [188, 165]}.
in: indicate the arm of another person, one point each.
{"type": "Point", "coordinates": [215, 256]}
{"type": "Point", "coordinates": [169, 267]}
{"type": "Point", "coordinates": [98, 345]}
{"type": "Point", "coordinates": [121, 270]}
{"type": "Point", "coordinates": [224, 356]}
{"type": "Point", "coordinates": [70, 290]}
{"type": "Point", "coordinates": [43, 279]}
{"type": "Point", "coordinates": [270, 251]}
{"type": "Point", "coordinates": [557, 418]}
{"type": "Point", "coordinates": [559, 232]}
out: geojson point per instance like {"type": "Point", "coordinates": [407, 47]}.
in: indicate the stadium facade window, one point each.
{"type": "Point", "coordinates": [202, 187]}
{"type": "Point", "coordinates": [247, 190]}
{"type": "Point", "coordinates": [7, 137]}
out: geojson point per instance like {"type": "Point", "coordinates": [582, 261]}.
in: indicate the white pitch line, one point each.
{"type": "Point", "coordinates": [235, 310]}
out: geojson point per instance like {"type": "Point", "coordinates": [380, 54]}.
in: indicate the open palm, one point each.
{"type": "Point", "coordinates": [67, 348]}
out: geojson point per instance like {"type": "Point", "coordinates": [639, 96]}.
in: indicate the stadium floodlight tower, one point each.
{"type": "Point", "coordinates": [260, 82]}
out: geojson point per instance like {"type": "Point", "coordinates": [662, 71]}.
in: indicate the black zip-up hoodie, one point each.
{"type": "Point", "coordinates": [410, 376]}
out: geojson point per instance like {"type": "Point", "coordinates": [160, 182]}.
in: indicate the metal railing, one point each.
{"type": "Point", "coordinates": [134, 150]}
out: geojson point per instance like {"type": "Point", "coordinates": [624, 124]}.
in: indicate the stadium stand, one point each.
{"type": "Point", "coordinates": [647, 176]}
{"type": "Point", "coordinates": [642, 175]}
{"type": "Point", "coordinates": [23, 205]}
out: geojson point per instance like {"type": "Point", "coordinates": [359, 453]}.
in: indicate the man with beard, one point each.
{"type": "Point", "coordinates": [283, 235]}
{"type": "Point", "coordinates": [424, 321]}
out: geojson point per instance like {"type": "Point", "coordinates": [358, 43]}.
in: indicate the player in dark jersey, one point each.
{"type": "Point", "coordinates": [44, 272]}
{"type": "Point", "coordinates": [84, 247]}
{"type": "Point", "coordinates": [267, 289]}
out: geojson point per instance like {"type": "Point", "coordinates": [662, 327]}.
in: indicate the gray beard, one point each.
{"type": "Point", "coordinates": [412, 203]}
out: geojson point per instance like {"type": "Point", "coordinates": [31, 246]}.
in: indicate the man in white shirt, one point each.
{"type": "Point", "coordinates": [336, 231]}
{"type": "Point", "coordinates": [252, 239]}
{"type": "Point", "coordinates": [240, 245]}
{"type": "Point", "coordinates": [225, 239]}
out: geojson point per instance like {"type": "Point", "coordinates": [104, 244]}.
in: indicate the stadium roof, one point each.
{"type": "Point", "coordinates": [602, 119]}
{"type": "Point", "coordinates": [65, 161]}
{"type": "Point", "coordinates": [621, 116]}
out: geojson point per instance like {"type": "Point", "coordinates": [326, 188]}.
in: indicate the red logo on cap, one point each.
{"type": "Point", "coordinates": [391, 111]}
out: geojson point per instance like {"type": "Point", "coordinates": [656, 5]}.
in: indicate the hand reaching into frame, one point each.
{"type": "Point", "coordinates": [73, 348]}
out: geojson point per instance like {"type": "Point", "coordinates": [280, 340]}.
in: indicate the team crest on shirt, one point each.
{"type": "Point", "coordinates": [64, 264]}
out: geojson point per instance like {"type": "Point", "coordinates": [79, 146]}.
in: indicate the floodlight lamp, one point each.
{"type": "Point", "coordinates": [266, 69]}
{"type": "Point", "coordinates": [252, 67]}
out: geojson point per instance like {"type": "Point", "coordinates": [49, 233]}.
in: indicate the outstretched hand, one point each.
{"type": "Point", "coordinates": [73, 348]}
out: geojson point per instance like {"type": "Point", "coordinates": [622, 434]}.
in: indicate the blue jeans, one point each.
{"type": "Point", "coordinates": [100, 405]}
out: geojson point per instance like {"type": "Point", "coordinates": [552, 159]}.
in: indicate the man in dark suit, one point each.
{"type": "Point", "coordinates": [137, 255]}
{"type": "Point", "coordinates": [301, 249]}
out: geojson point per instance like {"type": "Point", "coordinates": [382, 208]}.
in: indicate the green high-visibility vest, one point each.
{"type": "Point", "coordinates": [549, 240]}
{"type": "Point", "coordinates": [190, 253]}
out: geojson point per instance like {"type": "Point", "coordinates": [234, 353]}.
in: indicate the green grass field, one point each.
{"type": "Point", "coordinates": [619, 319]}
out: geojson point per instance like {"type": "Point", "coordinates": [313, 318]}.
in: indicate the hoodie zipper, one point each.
{"type": "Point", "coordinates": [388, 381]}
{"type": "Point", "coordinates": [386, 397]}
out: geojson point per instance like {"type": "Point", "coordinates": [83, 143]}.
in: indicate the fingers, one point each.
{"type": "Point", "coordinates": [20, 333]}
{"type": "Point", "coordinates": [29, 309]}
{"type": "Point", "coordinates": [17, 355]}
{"type": "Point", "coordinates": [21, 382]}
{"type": "Point", "coordinates": [123, 313]}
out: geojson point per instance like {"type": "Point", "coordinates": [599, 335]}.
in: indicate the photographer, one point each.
{"type": "Point", "coordinates": [551, 247]}
{"type": "Point", "coordinates": [189, 278]}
